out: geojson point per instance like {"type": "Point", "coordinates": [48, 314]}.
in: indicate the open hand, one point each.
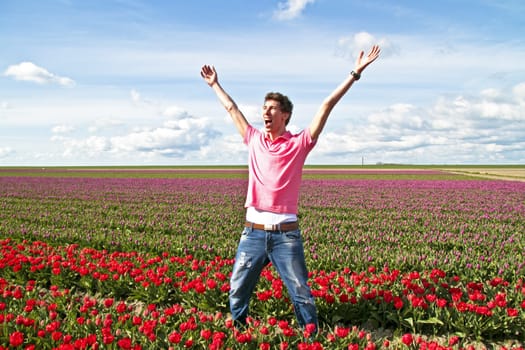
{"type": "Point", "coordinates": [209, 74]}
{"type": "Point", "coordinates": [362, 62]}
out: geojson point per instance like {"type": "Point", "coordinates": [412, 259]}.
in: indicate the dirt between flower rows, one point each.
{"type": "Point", "coordinates": [511, 174]}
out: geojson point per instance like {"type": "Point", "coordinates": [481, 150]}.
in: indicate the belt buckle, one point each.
{"type": "Point", "coordinates": [270, 227]}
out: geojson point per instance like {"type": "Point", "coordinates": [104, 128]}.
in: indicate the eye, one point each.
{"type": "Point", "coordinates": [270, 108]}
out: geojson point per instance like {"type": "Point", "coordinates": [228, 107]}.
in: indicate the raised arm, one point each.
{"type": "Point", "coordinates": [209, 74]}
{"type": "Point", "coordinates": [328, 104]}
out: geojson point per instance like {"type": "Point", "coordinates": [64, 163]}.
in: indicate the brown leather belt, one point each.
{"type": "Point", "coordinates": [285, 226]}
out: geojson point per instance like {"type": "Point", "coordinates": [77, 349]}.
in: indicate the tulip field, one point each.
{"type": "Point", "coordinates": [140, 258]}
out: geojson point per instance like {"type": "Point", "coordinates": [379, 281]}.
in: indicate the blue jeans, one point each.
{"type": "Point", "coordinates": [285, 251]}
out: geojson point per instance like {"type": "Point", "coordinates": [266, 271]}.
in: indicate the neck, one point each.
{"type": "Point", "coordinates": [272, 135]}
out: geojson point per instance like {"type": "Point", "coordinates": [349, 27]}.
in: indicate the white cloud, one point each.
{"type": "Point", "coordinates": [185, 137]}
{"type": "Point", "coordinates": [399, 116]}
{"type": "Point", "coordinates": [175, 112]}
{"type": "Point", "coordinates": [92, 146]}
{"type": "Point", "coordinates": [28, 71]}
{"type": "Point", "coordinates": [491, 93]}
{"type": "Point", "coordinates": [62, 129]}
{"type": "Point", "coordinates": [290, 9]}
{"type": "Point", "coordinates": [135, 96]}
{"type": "Point", "coordinates": [176, 138]}
{"type": "Point", "coordinates": [350, 46]}
{"type": "Point", "coordinates": [138, 99]}
{"type": "Point", "coordinates": [104, 124]}
{"type": "Point", "coordinates": [462, 129]}
{"type": "Point", "coordinates": [253, 113]}
{"type": "Point", "coordinates": [227, 150]}
{"type": "Point", "coordinates": [519, 93]}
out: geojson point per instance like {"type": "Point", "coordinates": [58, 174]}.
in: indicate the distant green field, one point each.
{"type": "Point", "coordinates": [382, 171]}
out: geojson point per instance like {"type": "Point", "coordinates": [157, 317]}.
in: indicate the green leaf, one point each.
{"type": "Point", "coordinates": [410, 321]}
{"type": "Point", "coordinates": [432, 320]}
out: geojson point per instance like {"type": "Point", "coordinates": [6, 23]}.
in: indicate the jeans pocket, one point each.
{"type": "Point", "coordinates": [245, 232]}
{"type": "Point", "coordinates": [293, 235]}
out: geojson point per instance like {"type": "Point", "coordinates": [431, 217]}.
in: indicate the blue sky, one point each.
{"type": "Point", "coordinates": [116, 82]}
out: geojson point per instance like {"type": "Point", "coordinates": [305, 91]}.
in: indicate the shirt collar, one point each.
{"type": "Point", "coordinates": [287, 135]}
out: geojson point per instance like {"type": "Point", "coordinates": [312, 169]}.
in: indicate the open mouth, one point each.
{"type": "Point", "coordinates": [267, 122]}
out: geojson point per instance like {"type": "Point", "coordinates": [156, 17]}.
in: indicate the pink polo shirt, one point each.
{"type": "Point", "coordinates": [275, 169]}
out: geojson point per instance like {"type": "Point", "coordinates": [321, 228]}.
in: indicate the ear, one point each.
{"type": "Point", "coordinates": [287, 118]}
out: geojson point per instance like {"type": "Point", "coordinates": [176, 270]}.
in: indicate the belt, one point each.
{"type": "Point", "coordinates": [285, 226]}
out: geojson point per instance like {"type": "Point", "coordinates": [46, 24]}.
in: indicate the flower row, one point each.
{"type": "Point", "coordinates": [417, 302]}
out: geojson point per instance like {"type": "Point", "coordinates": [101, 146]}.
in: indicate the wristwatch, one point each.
{"type": "Point", "coordinates": [356, 75]}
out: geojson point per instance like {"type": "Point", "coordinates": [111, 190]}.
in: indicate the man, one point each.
{"type": "Point", "coordinates": [276, 158]}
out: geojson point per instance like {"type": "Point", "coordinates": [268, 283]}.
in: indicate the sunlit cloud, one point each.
{"type": "Point", "coordinates": [453, 129]}
{"type": "Point", "coordinates": [182, 136]}
{"type": "Point", "coordinates": [28, 71]}
{"type": "Point", "coordinates": [290, 9]}
{"type": "Point", "coordinates": [350, 46]}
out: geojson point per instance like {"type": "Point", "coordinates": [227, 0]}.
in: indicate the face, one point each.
{"type": "Point", "coordinates": [274, 118]}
